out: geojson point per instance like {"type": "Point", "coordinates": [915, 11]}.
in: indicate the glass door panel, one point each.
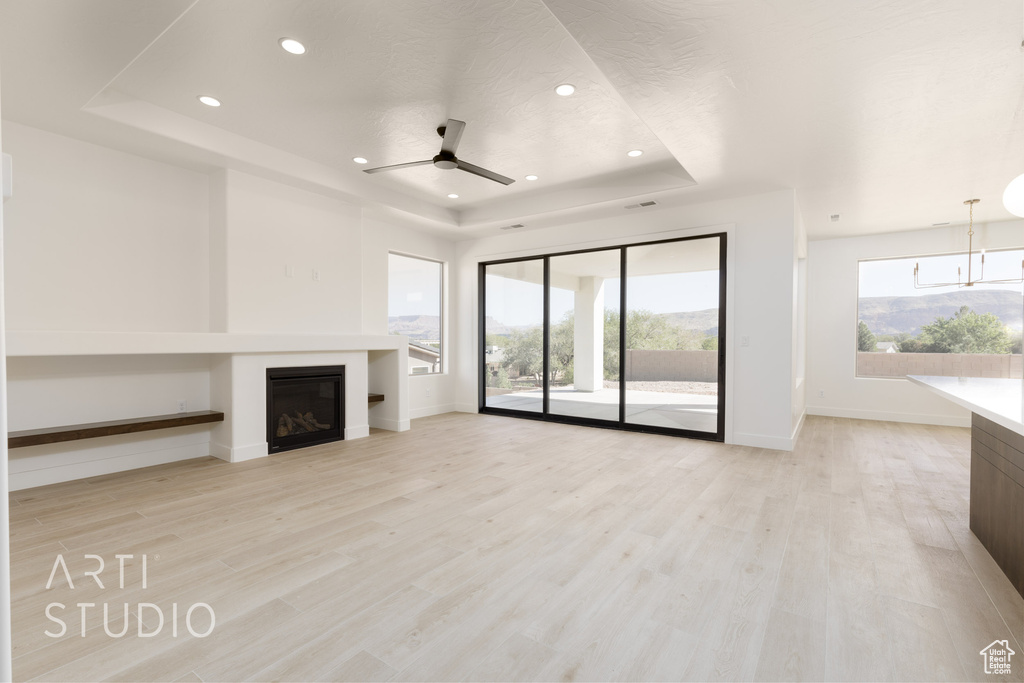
{"type": "Point", "coordinates": [671, 367]}
{"type": "Point", "coordinates": [514, 336]}
{"type": "Point", "coordinates": [583, 346]}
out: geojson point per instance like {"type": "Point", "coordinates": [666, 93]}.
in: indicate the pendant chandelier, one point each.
{"type": "Point", "coordinates": [969, 282]}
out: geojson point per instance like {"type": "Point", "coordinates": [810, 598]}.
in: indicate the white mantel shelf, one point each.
{"type": "Point", "coordinates": [999, 400]}
{"type": "Point", "coordinates": [29, 343]}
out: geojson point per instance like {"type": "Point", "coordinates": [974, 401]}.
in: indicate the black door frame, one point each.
{"type": "Point", "coordinates": [620, 424]}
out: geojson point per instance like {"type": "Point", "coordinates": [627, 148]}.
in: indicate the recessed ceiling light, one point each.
{"type": "Point", "coordinates": [634, 152]}
{"type": "Point", "coordinates": [359, 160]}
{"type": "Point", "coordinates": [453, 196]}
{"type": "Point", "coordinates": [565, 89]}
{"type": "Point", "coordinates": [293, 46]}
{"type": "Point", "coordinates": [531, 177]}
{"type": "Point", "coordinates": [209, 101]}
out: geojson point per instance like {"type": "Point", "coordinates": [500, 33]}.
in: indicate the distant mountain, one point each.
{"type": "Point", "coordinates": [415, 326]}
{"type": "Point", "coordinates": [702, 321]}
{"type": "Point", "coordinates": [893, 314]}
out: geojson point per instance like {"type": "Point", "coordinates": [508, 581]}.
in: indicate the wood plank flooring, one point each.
{"type": "Point", "coordinates": [486, 548]}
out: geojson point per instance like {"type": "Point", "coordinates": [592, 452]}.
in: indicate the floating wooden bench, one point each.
{"type": "Point", "coordinates": [374, 398]}
{"type": "Point", "coordinates": [92, 430]}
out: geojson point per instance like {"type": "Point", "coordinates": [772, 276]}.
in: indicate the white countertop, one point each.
{"type": "Point", "coordinates": [56, 343]}
{"type": "Point", "coordinates": [998, 400]}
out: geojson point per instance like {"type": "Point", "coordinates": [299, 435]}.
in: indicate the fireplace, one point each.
{"type": "Point", "coordinates": [305, 406]}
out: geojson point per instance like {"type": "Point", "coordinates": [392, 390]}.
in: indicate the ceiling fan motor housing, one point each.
{"type": "Point", "coordinates": [446, 161]}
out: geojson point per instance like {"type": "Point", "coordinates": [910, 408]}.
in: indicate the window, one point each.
{"type": "Point", "coordinates": [949, 331]}
{"type": "Point", "coordinates": [415, 287]}
{"type": "Point", "coordinates": [628, 337]}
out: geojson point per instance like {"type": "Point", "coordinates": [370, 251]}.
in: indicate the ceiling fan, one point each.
{"type": "Point", "coordinates": [451, 133]}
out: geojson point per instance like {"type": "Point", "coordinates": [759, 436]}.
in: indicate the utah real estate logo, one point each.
{"type": "Point", "coordinates": [997, 657]}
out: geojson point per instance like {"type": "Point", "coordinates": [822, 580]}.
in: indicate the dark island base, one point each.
{"type": "Point", "coordinates": [997, 495]}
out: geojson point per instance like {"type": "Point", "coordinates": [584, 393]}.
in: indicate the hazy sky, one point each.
{"type": "Point", "coordinates": [895, 277]}
{"type": "Point", "coordinates": [515, 303]}
{"type": "Point", "coordinates": [414, 286]}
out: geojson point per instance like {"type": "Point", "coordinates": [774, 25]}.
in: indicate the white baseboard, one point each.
{"type": "Point", "coordinates": [885, 416]}
{"type": "Point", "coordinates": [431, 410]}
{"type": "Point", "coordinates": [466, 408]}
{"type": "Point", "coordinates": [777, 443]}
{"type": "Point", "coordinates": [250, 452]}
{"type": "Point", "coordinates": [93, 468]}
{"type": "Point", "coordinates": [390, 425]}
{"type": "Point", "coordinates": [360, 432]}
{"type": "Point", "coordinates": [221, 451]}
{"type": "Point", "coordinates": [799, 426]}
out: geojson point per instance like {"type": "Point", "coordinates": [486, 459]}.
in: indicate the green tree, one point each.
{"type": "Point", "coordinates": [501, 380]}
{"type": "Point", "coordinates": [966, 332]}
{"type": "Point", "coordinates": [911, 346]}
{"type": "Point", "coordinates": [523, 352]}
{"type": "Point", "coordinates": [498, 340]}
{"type": "Point", "coordinates": [709, 344]}
{"type": "Point", "coordinates": [563, 347]}
{"type": "Point", "coordinates": [865, 340]}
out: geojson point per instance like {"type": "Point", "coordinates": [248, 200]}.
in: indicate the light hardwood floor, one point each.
{"type": "Point", "coordinates": [487, 548]}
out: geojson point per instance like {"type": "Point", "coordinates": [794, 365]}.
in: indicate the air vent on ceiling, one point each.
{"type": "Point", "coordinates": [642, 204]}
{"type": "Point", "coordinates": [512, 227]}
{"type": "Point", "coordinates": [937, 225]}
{"type": "Point", "coordinates": [833, 218]}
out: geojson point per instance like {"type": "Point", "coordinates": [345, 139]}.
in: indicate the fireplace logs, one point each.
{"type": "Point", "coordinates": [299, 424]}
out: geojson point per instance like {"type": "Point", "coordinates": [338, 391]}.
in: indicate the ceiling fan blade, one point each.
{"type": "Point", "coordinates": [452, 134]}
{"type": "Point", "coordinates": [483, 173]}
{"type": "Point", "coordinates": [392, 167]}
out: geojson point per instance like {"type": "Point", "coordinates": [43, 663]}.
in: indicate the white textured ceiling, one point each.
{"type": "Point", "coordinates": [888, 113]}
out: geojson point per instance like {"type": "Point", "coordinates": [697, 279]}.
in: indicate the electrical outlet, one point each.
{"type": "Point", "coordinates": [821, 393]}
{"type": "Point", "coordinates": [182, 406]}
{"type": "Point", "coordinates": [744, 340]}
{"type": "Point", "coordinates": [316, 275]}
{"type": "Point", "coordinates": [289, 271]}
{"type": "Point", "coordinates": [428, 392]}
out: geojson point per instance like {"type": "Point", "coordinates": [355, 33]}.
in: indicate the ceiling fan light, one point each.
{"type": "Point", "coordinates": [1013, 196]}
{"type": "Point", "coordinates": [293, 46]}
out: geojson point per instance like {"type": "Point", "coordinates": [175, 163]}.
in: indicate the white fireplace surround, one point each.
{"type": "Point", "coordinates": [238, 363]}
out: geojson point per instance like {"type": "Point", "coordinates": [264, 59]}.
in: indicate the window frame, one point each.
{"type": "Point", "coordinates": [906, 257]}
{"type": "Point", "coordinates": [442, 361]}
{"type": "Point", "coordinates": [621, 424]}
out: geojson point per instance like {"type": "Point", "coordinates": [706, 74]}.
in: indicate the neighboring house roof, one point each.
{"type": "Point", "coordinates": [423, 352]}
{"type": "Point", "coordinates": [887, 346]}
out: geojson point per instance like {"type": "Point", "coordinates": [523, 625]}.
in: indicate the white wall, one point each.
{"type": "Point", "coordinates": [832, 276]}
{"type": "Point", "coordinates": [275, 241]}
{"type": "Point", "coordinates": [428, 394]}
{"type": "Point", "coordinates": [761, 304]}
{"type": "Point", "coordinates": [102, 240]}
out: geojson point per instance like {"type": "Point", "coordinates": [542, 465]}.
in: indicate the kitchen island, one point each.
{"type": "Point", "coordinates": [997, 463]}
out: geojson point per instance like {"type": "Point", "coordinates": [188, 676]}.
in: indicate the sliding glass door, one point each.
{"type": "Point", "coordinates": [514, 336]}
{"type": "Point", "coordinates": [583, 324]}
{"type": "Point", "coordinates": [672, 335]}
{"type": "Point", "coordinates": [629, 337]}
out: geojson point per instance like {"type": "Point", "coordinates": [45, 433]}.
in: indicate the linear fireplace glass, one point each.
{"type": "Point", "coordinates": [305, 406]}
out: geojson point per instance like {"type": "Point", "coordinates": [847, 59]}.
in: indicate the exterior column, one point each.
{"type": "Point", "coordinates": [588, 355]}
